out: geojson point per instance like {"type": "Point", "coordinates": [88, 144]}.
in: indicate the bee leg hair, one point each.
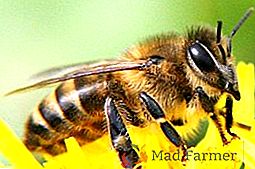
{"type": "Point", "coordinates": [119, 136]}
{"type": "Point", "coordinates": [208, 105]}
{"type": "Point", "coordinates": [157, 113]}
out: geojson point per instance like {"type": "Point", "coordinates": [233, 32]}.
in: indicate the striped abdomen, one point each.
{"type": "Point", "coordinates": [74, 109]}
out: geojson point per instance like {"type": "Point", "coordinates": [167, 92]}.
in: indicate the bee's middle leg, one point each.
{"type": "Point", "coordinates": [119, 136]}
{"type": "Point", "coordinates": [169, 131]}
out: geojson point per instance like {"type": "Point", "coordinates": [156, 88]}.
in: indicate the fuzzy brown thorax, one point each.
{"type": "Point", "coordinates": [173, 81]}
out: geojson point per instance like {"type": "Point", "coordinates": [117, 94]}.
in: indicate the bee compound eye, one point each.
{"type": "Point", "coordinates": [202, 57]}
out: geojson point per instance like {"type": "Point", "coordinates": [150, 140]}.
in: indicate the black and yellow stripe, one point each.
{"type": "Point", "coordinates": [74, 109]}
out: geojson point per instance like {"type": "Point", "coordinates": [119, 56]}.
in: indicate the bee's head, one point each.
{"type": "Point", "coordinates": [209, 56]}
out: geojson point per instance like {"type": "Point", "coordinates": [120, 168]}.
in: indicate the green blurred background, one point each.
{"type": "Point", "coordinates": [36, 35]}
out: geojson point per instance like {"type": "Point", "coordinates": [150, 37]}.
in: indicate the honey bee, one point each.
{"type": "Point", "coordinates": [170, 79]}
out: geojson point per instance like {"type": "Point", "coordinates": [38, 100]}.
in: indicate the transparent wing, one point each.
{"type": "Point", "coordinates": [57, 71]}
{"type": "Point", "coordinates": [80, 70]}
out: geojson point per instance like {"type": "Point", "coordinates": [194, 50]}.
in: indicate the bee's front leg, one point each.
{"type": "Point", "coordinates": [229, 116]}
{"type": "Point", "coordinates": [208, 105]}
{"type": "Point", "coordinates": [119, 136]}
{"type": "Point", "coordinates": [169, 131]}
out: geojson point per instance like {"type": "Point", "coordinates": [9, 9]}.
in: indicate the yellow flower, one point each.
{"type": "Point", "coordinates": [151, 141]}
{"type": "Point", "coordinates": [14, 151]}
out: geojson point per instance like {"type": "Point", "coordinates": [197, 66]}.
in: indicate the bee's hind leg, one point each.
{"type": "Point", "coordinates": [119, 136]}
{"type": "Point", "coordinates": [169, 131]}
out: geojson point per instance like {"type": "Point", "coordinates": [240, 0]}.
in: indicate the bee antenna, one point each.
{"type": "Point", "coordinates": [241, 21]}
{"type": "Point", "coordinates": [237, 26]}
{"type": "Point", "coordinates": [218, 40]}
{"type": "Point", "coordinates": [219, 28]}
